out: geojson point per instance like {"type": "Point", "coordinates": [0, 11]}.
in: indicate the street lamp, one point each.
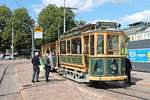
{"type": "Point", "coordinates": [12, 46]}
{"type": "Point", "coordinates": [32, 33]}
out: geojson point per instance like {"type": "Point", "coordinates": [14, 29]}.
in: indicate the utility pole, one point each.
{"type": "Point", "coordinates": [32, 32]}
{"type": "Point", "coordinates": [12, 46]}
{"type": "Point", "coordinates": [64, 16]}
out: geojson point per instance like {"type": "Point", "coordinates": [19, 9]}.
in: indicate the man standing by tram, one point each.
{"type": "Point", "coordinates": [36, 70]}
{"type": "Point", "coordinates": [47, 62]}
{"type": "Point", "coordinates": [128, 70]}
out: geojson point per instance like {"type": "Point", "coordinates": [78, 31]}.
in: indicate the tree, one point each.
{"type": "Point", "coordinates": [51, 20]}
{"type": "Point", "coordinates": [22, 24]}
{"type": "Point", "coordinates": [81, 22]}
{"type": "Point", "coordinates": [5, 14]}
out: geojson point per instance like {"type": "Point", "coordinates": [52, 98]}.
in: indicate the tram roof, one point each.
{"type": "Point", "coordinates": [99, 26]}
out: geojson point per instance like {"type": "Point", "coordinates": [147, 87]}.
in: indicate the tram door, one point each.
{"type": "Point", "coordinates": [86, 50]}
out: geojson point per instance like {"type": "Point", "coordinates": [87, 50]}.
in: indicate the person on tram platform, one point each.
{"type": "Point", "coordinates": [128, 68]}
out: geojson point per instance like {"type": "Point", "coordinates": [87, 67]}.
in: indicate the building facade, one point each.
{"type": "Point", "coordinates": [139, 45]}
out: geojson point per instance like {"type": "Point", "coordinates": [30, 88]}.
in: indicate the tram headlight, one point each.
{"type": "Point", "coordinates": [114, 67]}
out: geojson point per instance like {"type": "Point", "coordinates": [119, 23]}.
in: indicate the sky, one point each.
{"type": "Point", "coordinates": [122, 11]}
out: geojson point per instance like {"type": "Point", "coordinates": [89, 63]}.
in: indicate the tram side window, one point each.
{"type": "Point", "coordinates": [76, 46]}
{"type": "Point", "coordinates": [68, 46]}
{"type": "Point", "coordinates": [92, 44]}
{"type": "Point", "coordinates": [112, 44]}
{"type": "Point", "coordinates": [63, 47]}
{"type": "Point", "coordinates": [100, 44]}
{"type": "Point", "coordinates": [123, 48]}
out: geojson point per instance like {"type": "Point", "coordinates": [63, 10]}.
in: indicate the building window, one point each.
{"type": "Point", "coordinates": [76, 45]}
{"type": "Point", "coordinates": [63, 47]}
{"type": "Point", "coordinates": [148, 35]}
{"type": "Point", "coordinates": [132, 38]}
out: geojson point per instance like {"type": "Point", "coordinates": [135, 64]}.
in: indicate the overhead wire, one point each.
{"type": "Point", "coordinates": [18, 4]}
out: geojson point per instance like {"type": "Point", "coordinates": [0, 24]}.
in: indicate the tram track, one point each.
{"type": "Point", "coordinates": [128, 93]}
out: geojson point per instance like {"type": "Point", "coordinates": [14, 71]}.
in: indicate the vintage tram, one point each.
{"type": "Point", "coordinates": [93, 52]}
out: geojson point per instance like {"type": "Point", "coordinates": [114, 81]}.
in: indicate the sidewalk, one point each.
{"type": "Point", "coordinates": [59, 89]}
{"type": "Point", "coordinates": [140, 78]}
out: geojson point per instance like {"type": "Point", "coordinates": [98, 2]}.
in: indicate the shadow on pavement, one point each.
{"type": "Point", "coordinates": [41, 83]}
{"type": "Point", "coordinates": [135, 80]}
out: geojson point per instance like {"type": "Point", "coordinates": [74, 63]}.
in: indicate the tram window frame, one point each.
{"type": "Point", "coordinates": [68, 46]}
{"type": "Point", "coordinates": [123, 44]}
{"type": "Point", "coordinates": [76, 46]}
{"type": "Point", "coordinates": [113, 48]}
{"type": "Point", "coordinates": [92, 49]}
{"type": "Point", "coordinates": [61, 50]}
{"type": "Point", "coordinates": [101, 51]}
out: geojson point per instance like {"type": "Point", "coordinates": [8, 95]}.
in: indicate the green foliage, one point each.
{"type": "Point", "coordinates": [21, 22]}
{"type": "Point", "coordinates": [5, 27]}
{"type": "Point", "coordinates": [81, 22]}
{"type": "Point", "coordinates": [51, 20]}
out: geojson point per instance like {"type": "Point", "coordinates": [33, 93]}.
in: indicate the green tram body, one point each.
{"type": "Point", "coordinates": [87, 53]}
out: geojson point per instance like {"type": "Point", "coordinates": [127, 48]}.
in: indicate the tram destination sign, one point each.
{"type": "Point", "coordinates": [106, 25]}
{"type": "Point", "coordinates": [38, 33]}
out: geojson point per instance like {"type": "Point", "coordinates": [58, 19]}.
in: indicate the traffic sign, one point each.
{"type": "Point", "coordinates": [38, 33]}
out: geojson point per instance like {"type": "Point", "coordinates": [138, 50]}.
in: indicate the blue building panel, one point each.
{"type": "Point", "coordinates": [139, 55]}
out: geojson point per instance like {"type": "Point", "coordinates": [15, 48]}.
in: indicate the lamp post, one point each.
{"type": "Point", "coordinates": [32, 33]}
{"type": "Point", "coordinates": [12, 45]}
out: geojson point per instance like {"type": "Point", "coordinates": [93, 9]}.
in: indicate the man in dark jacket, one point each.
{"type": "Point", "coordinates": [128, 70]}
{"type": "Point", "coordinates": [36, 69]}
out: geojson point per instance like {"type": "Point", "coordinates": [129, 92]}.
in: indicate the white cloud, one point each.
{"type": "Point", "coordinates": [128, 19]}
{"type": "Point", "coordinates": [139, 16]}
{"type": "Point", "coordinates": [81, 5]}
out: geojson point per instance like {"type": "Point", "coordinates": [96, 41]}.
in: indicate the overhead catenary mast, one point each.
{"type": "Point", "coordinates": [64, 16]}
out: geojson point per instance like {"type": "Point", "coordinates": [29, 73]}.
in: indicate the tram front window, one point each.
{"type": "Point", "coordinates": [112, 44]}
{"type": "Point", "coordinates": [100, 44]}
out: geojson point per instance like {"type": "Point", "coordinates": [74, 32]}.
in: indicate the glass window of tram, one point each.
{"type": "Point", "coordinates": [100, 44]}
{"type": "Point", "coordinates": [112, 44]}
{"type": "Point", "coordinates": [92, 44]}
{"type": "Point", "coordinates": [63, 47]}
{"type": "Point", "coordinates": [76, 45]}
{"type": "Point", "coordinates": [68, 46]}
{"type": "Point", "coordinates": [123, 45]}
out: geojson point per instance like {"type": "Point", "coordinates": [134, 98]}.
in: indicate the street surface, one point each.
{"type": "Point", "coordinates": [17, 85]}
{"type": "Point", "coordinates": [9, 89]}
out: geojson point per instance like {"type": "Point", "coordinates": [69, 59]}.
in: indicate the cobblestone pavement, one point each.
{"type": "Point", "coordinates": [60, 88]}
{"type": "Point", "coordinates": [9, 89]}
